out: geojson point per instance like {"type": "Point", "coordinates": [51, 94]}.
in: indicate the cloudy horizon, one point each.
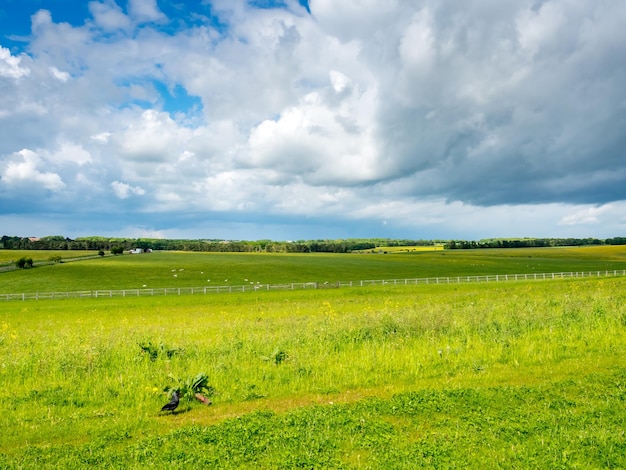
{"type": "Point", "coordinates": [292, 120]}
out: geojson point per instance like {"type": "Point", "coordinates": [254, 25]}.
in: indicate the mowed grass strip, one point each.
{"type": "Point", "coordinates": [185, 269]}
{"type": "Point", "coordinates": [399, 376]}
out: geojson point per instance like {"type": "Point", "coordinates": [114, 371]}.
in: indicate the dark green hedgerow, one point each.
{"type": "Point", "coordinates": [570, 424]}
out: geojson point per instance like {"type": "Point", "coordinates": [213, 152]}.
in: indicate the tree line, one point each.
{"type": "Point", "coordinates": [530, 242]}
{"type": "Point", "coordinates": [119, 245]}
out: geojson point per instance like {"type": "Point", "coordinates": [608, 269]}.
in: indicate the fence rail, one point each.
{"type": "Point", "coordinates": [169, 291]}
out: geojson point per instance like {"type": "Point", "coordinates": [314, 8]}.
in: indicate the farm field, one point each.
{"type": "Point", "coordinates": [402, 249]}
{"type": "Point", "coordinates": [8, 257]}
{"type": "Point", "coordinates": [515, 375]}
{"type": "Point", "coordinates": [186, 269]}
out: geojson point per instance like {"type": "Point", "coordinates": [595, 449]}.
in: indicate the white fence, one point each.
{"type": "Point", "coordinates": [169, 291]}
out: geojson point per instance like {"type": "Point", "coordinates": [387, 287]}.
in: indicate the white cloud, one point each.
{"type": "Point", "coordinates": [26, 172]}
{"type": "Point", "coordinates": [537, 28]}
{"type": "Point", "coordinates": [145, 10]}
{"type": "Point", "coordinates": [102, 137]}
{"type": "Point", "coordinates": [417, 45]}
{"type": "Point", "coordinates": [124, 190]}
{"type": "Point", "coordinates": [10, 65]}
{"type": "Point", "coordinates": [154, 138]}
{"type": "Point", "coordinates": [586, 216]}
{"type": "Point", "coordinates": [327, 138]}
{"type": "Point", "coordinates": [61, 76]}
{"type": "Point", "coordinates": [109, 16]}
{"type": "Point", "coordinates": [339, 81]}
{"type": "Point", "coordinates": [72, 153]}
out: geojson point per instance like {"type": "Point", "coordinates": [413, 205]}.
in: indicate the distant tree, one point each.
{"type": "Point", "coordinates": [100, 253]}
{"type": "Point", "coordinates": [24, 262]}
{"type": "Point", "coordinates": [117, 250]}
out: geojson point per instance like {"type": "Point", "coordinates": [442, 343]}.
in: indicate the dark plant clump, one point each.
{"type": "Point", "coordinates": [196, 387]}
{"type": "Point", "coordinates": [24, 262]}
{"type": "Point", "coordinates": [153, 351]}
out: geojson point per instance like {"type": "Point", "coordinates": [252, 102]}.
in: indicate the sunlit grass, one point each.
{"type": "Point", "coordinates": [10, 256]}
{"type": "Point", "coordinates": [73, 373]}
{"type": "Point", "coordinates": [401, 249]}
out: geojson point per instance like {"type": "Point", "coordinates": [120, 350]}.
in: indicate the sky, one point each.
{"type": "Point", "coordinates": [300, 120]}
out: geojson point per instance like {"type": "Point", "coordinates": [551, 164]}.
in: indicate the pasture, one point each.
{"type": "Point", "coordinates": [8, 257]}
{"type": "Point", "coordinates": [192, 269]}
{"type": "Point", "coordinates": [402, 249]}
{"type": "Point", "coordinates": [521, 374]}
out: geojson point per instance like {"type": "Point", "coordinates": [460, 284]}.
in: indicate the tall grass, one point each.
{"type": "Point", "coordinates": [75, 381]}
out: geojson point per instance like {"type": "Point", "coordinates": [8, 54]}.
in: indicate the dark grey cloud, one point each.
{"type": "Point", "coordinates": [516, 104]}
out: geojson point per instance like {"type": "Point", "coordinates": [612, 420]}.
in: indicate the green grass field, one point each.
{"type": "Point", "coordinates": [8, 257]}
{"type": "Point", "coordinates": [401, 249]}
{"type": "Point", "coordinates": [514, 375]}
{"type": "Point", "coordinates": [171, 269]}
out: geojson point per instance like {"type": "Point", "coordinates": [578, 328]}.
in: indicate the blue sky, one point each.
{"type": "Point", "coordinates": [323, 119]}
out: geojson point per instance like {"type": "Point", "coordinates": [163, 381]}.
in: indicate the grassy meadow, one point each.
{"type": "Point", "coordinates": [186, 269]}
{"type": "Point", "coordinates": [402, 249]}
{"type": "Point", "coordinates": [9, 257]}
{"type": "Point", "coordinates": [515, 375]}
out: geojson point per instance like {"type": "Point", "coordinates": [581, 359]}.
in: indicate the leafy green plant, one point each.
{"type": "Point", "coordinates": [153, 351]}
{"type": "Point", "coordinates": [252, 392]}
{"type": "Point", "coordinates": [196, 387]}
{"type": "Point", "coordinates": [278, 356]}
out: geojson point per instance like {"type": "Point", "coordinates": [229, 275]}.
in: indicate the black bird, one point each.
{"type": "Point", "coordinates": [173, 404]}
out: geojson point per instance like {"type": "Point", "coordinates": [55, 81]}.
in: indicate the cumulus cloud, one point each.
{"type": "Point", "coordinates": [428, 114]}
{"type": "Point", "coordinates": [153, 138]}
{"type": "Point", "coordinates": [10, 65]}
{"type": "Point", "coordinates": [145, 10]}
{"type": "Point", "coordinates": [109, 16]}
{"type": "Point", "coordinates": [69, 152]}
{"type": "Point", "coordinates": [124, 190]}
{"type": "Point", "coordinates": [59, 75]}
{"type": "Point", "coordinates": [586, 216]}
{"type": "Point", "coordinates": [25, 172]}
